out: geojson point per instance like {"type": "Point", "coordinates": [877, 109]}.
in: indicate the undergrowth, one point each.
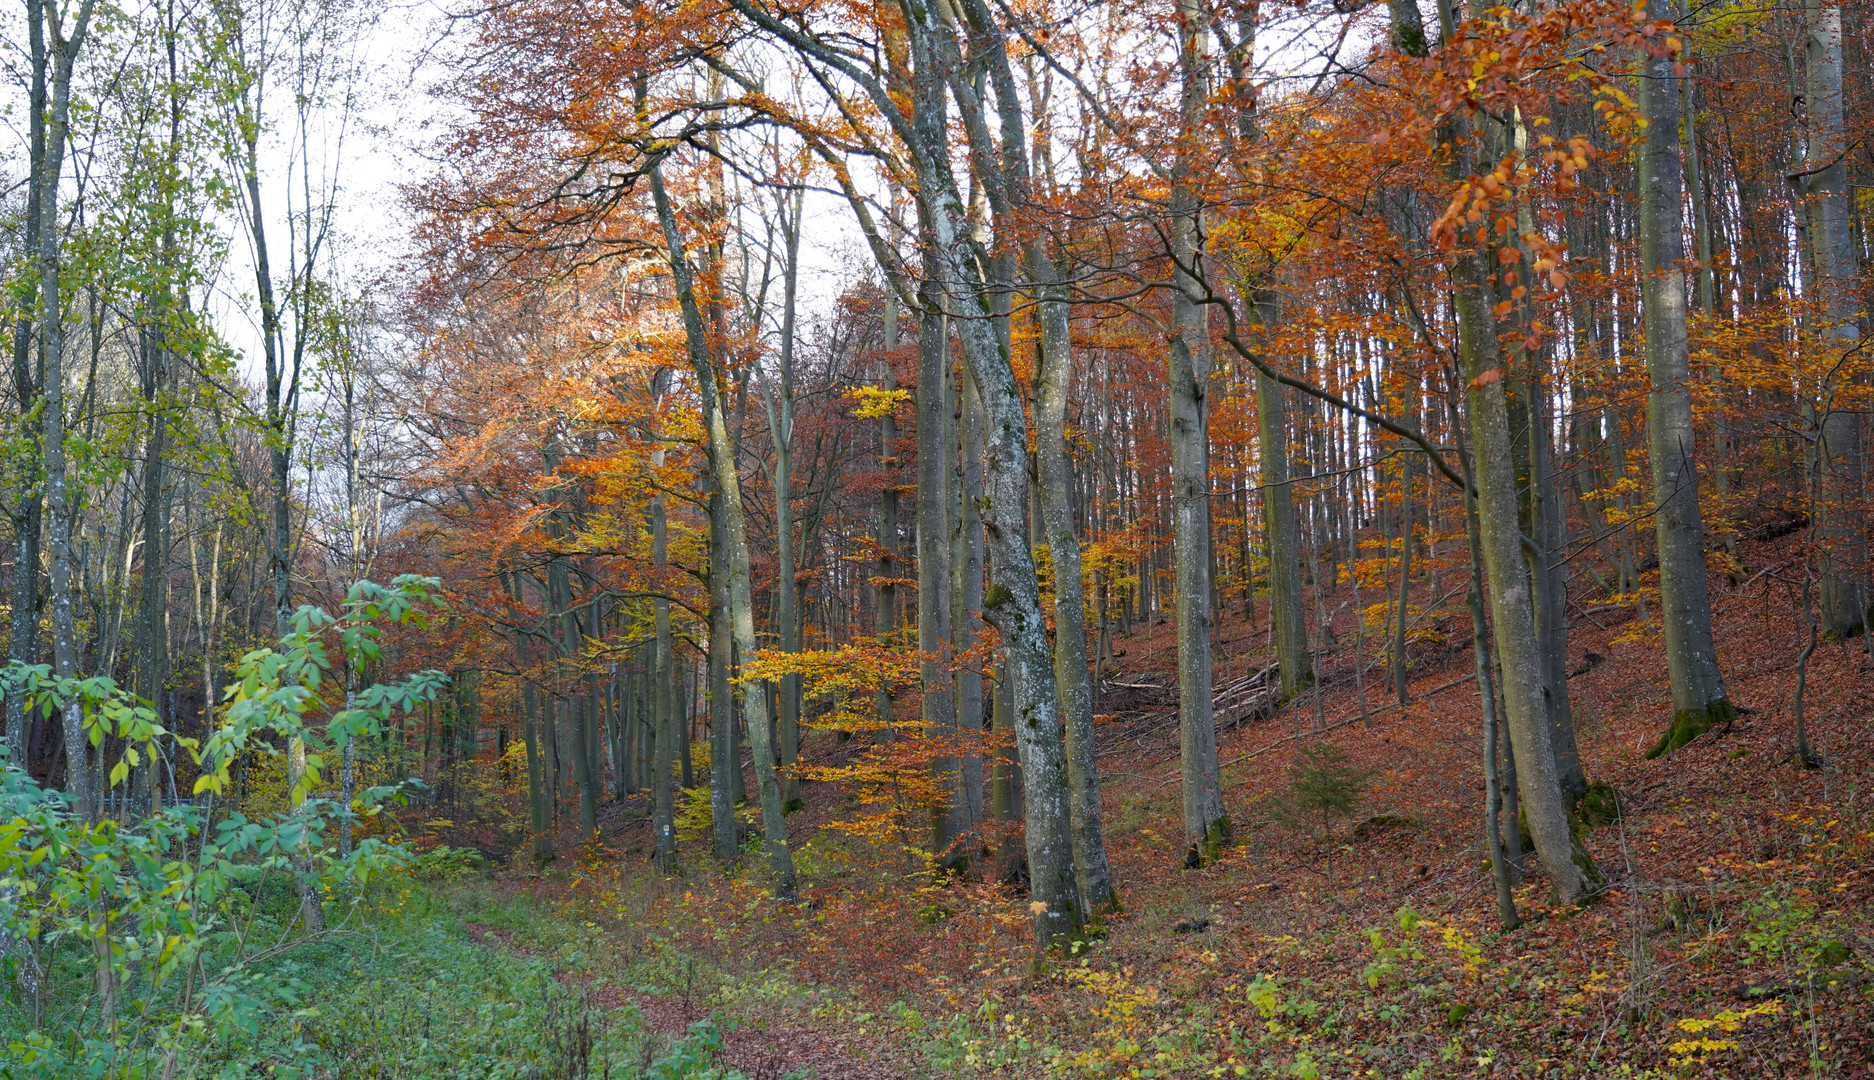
{"type": "Point", "coordinates": [407, 992]}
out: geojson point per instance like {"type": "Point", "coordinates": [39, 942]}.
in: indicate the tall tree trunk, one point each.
{"type": "Point", "coordinates": [886, 617]}
{"type": "Point", "coordinates": [966, 585]}
{"type": "Point", "coordinates": [281, 406]}
{"type": "Point", "coordinates": [787, 618]}
{"type": "Point", "coordinates": [539, 817]}
{"type": "Point", "coordinates": [934, 640]}
{"type": "Point", "coordinates": [1701, 209]}
{"type": "Point", "coordinates": [1571, 873]}
{"type": "Point", "coordinates": [725, 756]}
{"type": "Point", "coordinates": [1071, 674]}
{"type": "Point", "coordinates": [1206, 825]}
{"type": "Point", "coordinates": [29, 500]}
{"type": "Point", "coordinates": [1013, 603]}
{"type": "Point", "coordinates": [1397, 648]}
{"type": "Point", "coordinates": [663, 799]}
{"type": "Point", "coordinates": [1287, 629]}
{"type": "Point", "coordinates": [1503, 869]}
{"type": "Point", "coordinates": [1004, 788]}
{"type": "Point", "coordinates": [741, 601]}
{"type": "Point", "coordinates": [62, 53]}
{"type": "Point", "coordinates": [153, 606]}
{"type": "Point", "coordinates": [565, 620]}
{"type": "Point", "coordinates": [781, 425]}
{"type": "Point", "coordinates": [1547, 565]}
{"type": "Point", "coordinates": [1842, 518]}
{"type": "Point", "coordinates": [1698, 694]}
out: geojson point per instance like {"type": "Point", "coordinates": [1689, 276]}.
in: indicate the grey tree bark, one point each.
{"type": "Point", "coordinates": [725, 754]}
{"type": "Point", "coordinates": [59, 52]}
{"type": "Point", "coordinates": [153, 608]}
{"type": "Point", "coordinates": [728, 482]}
{"type": "Point", "coordinates": [780, 410]}
{"type": "Point", "coordinates": [1503, 871]}
{"type": "Point", "coordinates": [27, 511]}
{"type": "Point", "coordinates": [1841, 519]}
{"type": "Point", "coordinates": [937, 703]}
{"type": "Point", "coordinates": [1572, 873]}
{"type": "Point", "coordinates": [1698, 695]}
{"type": "Point", "coordinates": [1013, 603]}
{"type": "Point", "coordinates": [1008, 178]}
{"type": "Point", "coordinates": [1288, 633]}
{"type": "Point", "coordinates": [664, 728]}
{"type": "Point", "coordinates": [1071, 674]}
{"type": "Point", "coordinates": [564, 619]}
{"type": "Point", "coordinates": [539, 811]}
{"type": "Point", "coordinates": [886, 615]}
{"type": "Point", "coordinates": [1206, 825]}
{"type": "Point", "coordinates": [1547, 570]}
{"type": "Point", "coordinates": [966, 584]}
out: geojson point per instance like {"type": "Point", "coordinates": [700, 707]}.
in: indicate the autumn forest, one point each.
{"type": "Point", "coordinates": [937, 538]}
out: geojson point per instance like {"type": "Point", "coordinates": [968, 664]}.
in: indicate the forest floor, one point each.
{"type": "Point", "coordinates": [1735, 937]}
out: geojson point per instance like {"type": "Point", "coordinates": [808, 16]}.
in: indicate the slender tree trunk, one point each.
{"type": "Point", "coordinates": [1071, 675]}
{"type": "Point", "coordinates": [1698, 694]}
{"type": "Point", "coordinates": [966, 596]}
{"type": "Point", "coordinates": [663, 800]}
{"type": "Point", "coordinates": [741, 602]}
{"type": "Point", "coordinates": [934, 640]}
{"type": "Point", "coordinates": [1701, 209]}
{"type": "Point", "coordinates": [725, 758]}
{"type": "Point", "coordinates": [1571, 873]}
{"type": "Point", "coordinates": [1546, 568]}
{"type": "Point", "coordinates": [1288, 633]}
{"type": "Point", "coordinates": [886, 617]}
{"type": "Point", "coordinates": [539, 817]}
{"type": "Point", "coordinates": [539, 812]}
{"type": "Point", "coordinates": [683, 717]}
{"type": "Point", "coordinates": [1013, 603]}
{"type": "Point", "coordinates": [1004, 778]}
{"type": "Point", "coordinates": [565, 620]}
{"type": "Point", "coordinates": [60, 508]}
{"type": "Point", "coordinates": [29, 499]}
{"type": "Point", "coordinates": [1398, 658]}
{"type": "Point", "coordinates": [617, 745]}
{"type": "Point", "coordinates": [1842, 591]}
{"type": "Point", "coordinates": [1503, 869]}
{"type": "Point", "coordinates": [628, 724]}
{"type": "Point", "coordinates": [153, 634]}
{"type": "Point", "coordinates": [781, 423]}
{"type": "Point", "coordinates": [1206, 825]}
